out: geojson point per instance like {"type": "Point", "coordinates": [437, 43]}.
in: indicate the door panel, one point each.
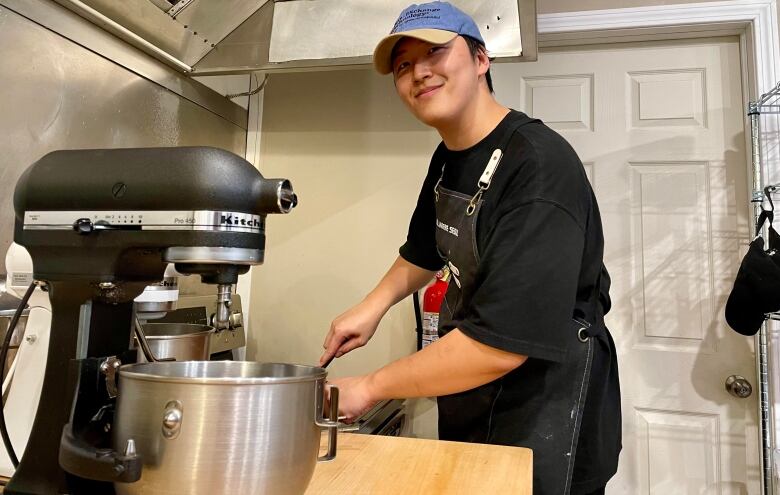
{"type": "Point", "coordinates": [659, 127]}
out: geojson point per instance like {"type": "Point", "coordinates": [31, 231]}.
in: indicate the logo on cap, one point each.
{"type": "Point", "coordinates": [415, 15]}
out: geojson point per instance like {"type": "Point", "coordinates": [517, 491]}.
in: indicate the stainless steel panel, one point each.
{"type": "Point", "coordinates": [57, 95]}
{"type": "Point", "coordinates": [187, 33]}
{"type": "Point", "coordinates": [341, 34]}
{"type": "Point", "coordinates": [163, 5]}
{"type": "Point", "coordinates": [350, 28]}
{"type": "Point", "coordinates": [69, 25]}
{"type": "Point", "coordinates": [149, 22]}
{"type": "Point", "coordinates": [288, 35]}
{"type": "Point", "coordinates": [99, 19]}
{"type": "Point", "coordinates": [214, 21]}
{"type": "Point", "coordinates": [247, 46]}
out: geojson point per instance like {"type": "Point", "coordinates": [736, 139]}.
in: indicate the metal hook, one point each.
{"type": "Point", "coordinates": [472, 207]}
{"type": "Point", "coordinates": [766, 214]}
{"type": "Point", "coordinates": [768, 190]}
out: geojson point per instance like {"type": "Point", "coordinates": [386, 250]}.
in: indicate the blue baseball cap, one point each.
{"type": "Point", "coordinates": [434, 22]}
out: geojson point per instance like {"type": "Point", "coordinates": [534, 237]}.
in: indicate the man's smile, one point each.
{"type": "Point", "coordinates": [428, 91]}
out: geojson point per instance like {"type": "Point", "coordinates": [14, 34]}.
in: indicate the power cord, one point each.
{"type": "Point", "coordinates": [250, 93]}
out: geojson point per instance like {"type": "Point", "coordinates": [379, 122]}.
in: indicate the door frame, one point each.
{"type": "Point", "coordinates": [755, 22]}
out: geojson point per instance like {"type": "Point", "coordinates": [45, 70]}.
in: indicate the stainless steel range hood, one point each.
{"type": "Point", "coordinates": [210, 37]}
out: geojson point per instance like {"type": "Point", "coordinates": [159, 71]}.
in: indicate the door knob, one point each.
{"type": "Point", "coordinates": [738, 386]}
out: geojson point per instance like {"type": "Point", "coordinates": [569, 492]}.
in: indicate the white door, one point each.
{"type": "Point", "coordinates": [659, 126]}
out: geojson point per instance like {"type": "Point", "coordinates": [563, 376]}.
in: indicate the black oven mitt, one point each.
{"type": "Point", "coordinates": [756, 289]}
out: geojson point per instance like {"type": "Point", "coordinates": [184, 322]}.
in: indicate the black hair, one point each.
{"type": "Point", "coordinates": [475, 47]}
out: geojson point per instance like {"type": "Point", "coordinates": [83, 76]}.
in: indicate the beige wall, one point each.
{"type": "Point", "coordinates": [356, 159]}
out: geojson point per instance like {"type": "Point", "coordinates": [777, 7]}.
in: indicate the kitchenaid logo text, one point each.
{"type": "Point", "coordinates": [252, 222]}
{"type": "Point", "coordinates": [446, 228]}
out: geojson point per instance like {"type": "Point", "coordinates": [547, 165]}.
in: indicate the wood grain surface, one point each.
{"type": "Point", "coordinates": [368, 464]}
{"type": "Point", "coordinates": [377, 465]}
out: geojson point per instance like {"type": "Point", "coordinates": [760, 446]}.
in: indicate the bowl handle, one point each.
{"type": "Point", "coordinates": [78, 457]}
{"type": "Point", "coordinates": [332, 424]}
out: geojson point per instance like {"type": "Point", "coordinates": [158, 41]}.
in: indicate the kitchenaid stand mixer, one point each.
{"type": "Point", "coordinates": [101, 225]}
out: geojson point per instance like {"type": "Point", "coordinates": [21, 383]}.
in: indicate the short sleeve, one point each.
{"type": "Point", "coordinates": [420, 247]}
{"type": "Point", "coordinates": [526, 282]}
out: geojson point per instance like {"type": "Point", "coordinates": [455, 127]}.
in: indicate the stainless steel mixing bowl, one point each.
{"type": "Point", "coordinates": [206, 427]}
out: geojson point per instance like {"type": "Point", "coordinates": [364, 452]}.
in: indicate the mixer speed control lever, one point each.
{"type": "Point", "coordinates": [83, 226]}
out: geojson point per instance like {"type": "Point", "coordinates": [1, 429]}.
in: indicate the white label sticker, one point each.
{"type": "Point", "coordinates": [21, 279]}
{"type": "Point", "coordinates": [430, 328]}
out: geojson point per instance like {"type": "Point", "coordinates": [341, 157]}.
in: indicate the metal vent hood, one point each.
{"type": "Point", "coordinates": [210, 37]}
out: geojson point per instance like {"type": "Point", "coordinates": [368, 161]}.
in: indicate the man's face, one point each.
{"type": "Point", "coordinates": [436, 82]}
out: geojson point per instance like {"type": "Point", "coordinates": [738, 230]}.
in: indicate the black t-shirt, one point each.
{"type": "Point", "coordinates": [541, 246]}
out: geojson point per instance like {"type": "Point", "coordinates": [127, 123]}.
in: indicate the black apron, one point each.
{"type": "Point", "coordinates": [539, 405]}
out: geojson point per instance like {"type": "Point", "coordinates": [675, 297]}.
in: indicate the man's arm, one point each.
{"type": "Point", "coordinates": [356, 326]}
{"type": "Point", "coordinates": [452, 364]}
{"type": "Point", "coordinates": [401, 280]}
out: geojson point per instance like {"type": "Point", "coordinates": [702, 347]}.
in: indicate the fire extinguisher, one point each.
{"type": "Point", "coordinates": [434, 295]}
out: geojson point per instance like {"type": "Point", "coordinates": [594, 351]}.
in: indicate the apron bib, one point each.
{"type": "Point", "coordinates": [539, 405]}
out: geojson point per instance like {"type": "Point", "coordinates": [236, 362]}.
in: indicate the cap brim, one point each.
{"type": "Point", "coordinates": [384, 49]}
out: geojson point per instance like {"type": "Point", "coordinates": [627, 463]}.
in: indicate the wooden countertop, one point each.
{"type": "Point", "coordinates": [369, 464]}
{"type": "Point", "coordinates": [377, 465]}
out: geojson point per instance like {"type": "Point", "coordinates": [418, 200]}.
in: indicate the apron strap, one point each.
{"type": "Point", "coordinates": [487, 176]}
{"type": "Point", "coordinates": [593, 320]}
{"type": "Point", "coordinates": [495, 159]}
{"type": "Point", "coordinates": [438, 182]}
{"type": "Point", "coordinates": [484, 180]}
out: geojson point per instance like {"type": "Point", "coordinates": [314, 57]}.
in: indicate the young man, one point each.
{"type": "Point", "coordinates": [524, 357]}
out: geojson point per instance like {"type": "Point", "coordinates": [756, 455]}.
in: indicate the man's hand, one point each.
{"type": "Point", "coordinates": [452, 364]}
{"type": "Point", "coordinates": [354, 328]}
{"type": "Point", "coordinates": [351, 330]}
{"type": "Point", "coordinates": [355, 396]}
